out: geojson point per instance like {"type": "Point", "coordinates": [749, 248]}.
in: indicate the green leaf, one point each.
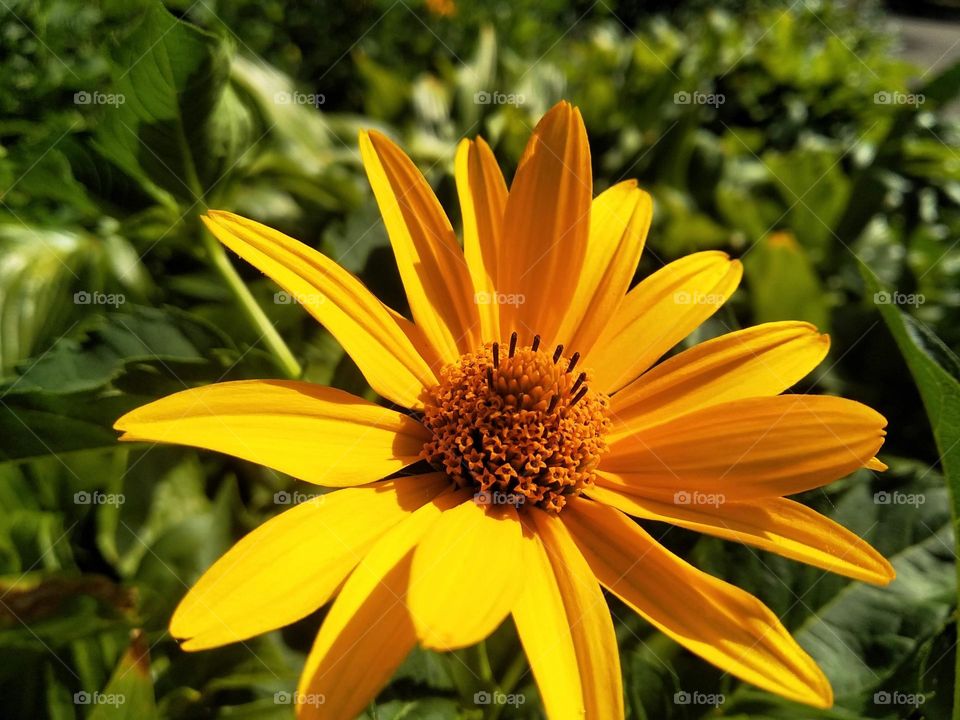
{"type": "Point", "coordinates": [169, 340]}
{"type": "Point", "coordinates": [63, 401]}
{"type": "Point", "coordinates": [38, 269]}
{"type": "Point", "coordinates": [945, 87]}
{"type": "Point", "coordinates": [940, 392]}
{"type": "Point", "coordinates": [170, 76]}
{"type": "Point", "coordinates": [783, 283]}
{"type": "Point", "coordinates": [129, 694]}
{"type": "Point", "coordinates": [38, 425]}
{"type": "Point", "coordinates": [421, 709]}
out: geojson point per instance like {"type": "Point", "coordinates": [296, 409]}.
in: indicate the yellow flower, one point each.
{"type": "Point", "coordinates": [529, 373]}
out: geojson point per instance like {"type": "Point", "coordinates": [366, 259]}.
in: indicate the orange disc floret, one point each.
{"type": "Point", "coordinates": [521, 423]}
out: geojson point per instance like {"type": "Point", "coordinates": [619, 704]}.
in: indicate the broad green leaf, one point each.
{"type": "Point", "coordinates": [107, 344]}
{"type": "Point", "coordinates": [935, 371]}
{"type": "Point", "coordinates": [171, 76]}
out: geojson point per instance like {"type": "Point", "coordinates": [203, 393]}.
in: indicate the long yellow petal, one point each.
{"type": "Point", "coordinates": [368, 631]}
{"type": "Point", "coordinates": [430, 261]}
{"type": "Point", "coordinates": [466, 575]}
{"type": "Point", "coordinates": [545, 632]}
{"type": "Point", "coordinates": [591, 625]}
{"type": "Point", "coordinates": [291, 565]}
{"type": "Point", "coordinates": [747, 449]}
{"type": "Point", "coordinates": [546, 226]}
{"type": "Point", "coordinates": [715, 620]}
{"type": "Point", "coordinates": [660, 312]}
{"type": "Point", "coordinates": [619, 220]}
{"type": "Point", "coordinates": [762, 360]}
{"type": "Point", "coordinates": [483, 199]}
{"type": "Point", "coordinates": [390, 351]}
{"type": "Point", "coordinates": [315, 433]}
{"type": "Point", "coordinates": [777, 525]}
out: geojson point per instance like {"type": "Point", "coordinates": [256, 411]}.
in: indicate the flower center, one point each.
{"type": "Point", "coordinates": [520, 425]}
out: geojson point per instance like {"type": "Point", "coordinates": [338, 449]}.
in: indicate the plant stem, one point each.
{"type": "Point", "coordinates": [509, 682]}
{"type": "Point", "coordinates": [271, 338]}
{"type": "Point", "coordinates": [483, 663]}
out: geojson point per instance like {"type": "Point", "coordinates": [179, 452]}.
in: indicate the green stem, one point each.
{"type": "Point", "coordinates": [508, 683]}
{"type": "Point", "coordinates": [271, 338]}
{"type": "Point", "coordinates": [483, 663]}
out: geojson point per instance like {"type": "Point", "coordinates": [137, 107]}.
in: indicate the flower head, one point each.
{"type": "Point", "coordinates": [530, 375]}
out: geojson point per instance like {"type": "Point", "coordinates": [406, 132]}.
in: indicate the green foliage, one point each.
{"type": "Point", "coordinates": [758, 130]}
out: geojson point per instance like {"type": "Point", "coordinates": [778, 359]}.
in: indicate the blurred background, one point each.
{"type": "Point", "coordinates": [816, 140]}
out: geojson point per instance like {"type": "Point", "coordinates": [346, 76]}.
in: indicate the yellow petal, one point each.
{"type": "Point", "coordinates": [545, 633]}
{"type": "Point", "coordinates": [546, 226]}
{"type": "Point", "coordinates": [291, 565]}
{"type": "Point", "coordinates": [747, 449]}
{"type": "Point", "coordinates": [430, 261]}
{"type": "Point", "coordinates": [876, 465]}
{"type": "Point", "coordinates": [483, 198]}
{"type": "Point", "coordinates": [660, 312]}
{"type": "Point", "coordinates": [619, 220]}
{"type": "Point", "coordinates": [368, 631]}
{"type": "Point", "coordinates": [315, 433]}
{"type": "Point", "coordinates": [715, 620]}
{"type": "Point", "coordinates": [590, 623]}
{"type": "Point", "coordinates": [465, 575]}
{"type": "Point", "coordinates": [390, 351]}
{"type": "Point", "coordinates": [762, 360]}
{"type": "Point", "coordinates": [778, 525]}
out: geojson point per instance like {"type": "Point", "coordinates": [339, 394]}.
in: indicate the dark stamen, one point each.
{"type": "Point", "coordinates": [553, 403]}
{"type": "Point", "coordinates": [557, 353]}
{"type": "Point", "coordinates": [578, 383]}
{"type": "Point", "coordinates": [513, 344]}
{"type": "Point", "coordinates": [490, 377]}
{"type": "Point", "coordinates": [496, 355]}
{"type": "Point", "coordinates": [536, 343]}
{"type": "Point", "coordinates": [573, 362]}
{"type": "Point", "coordinates": [583, 391]}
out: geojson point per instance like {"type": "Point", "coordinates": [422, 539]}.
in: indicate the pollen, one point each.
{"type": "Point", "coordinates": [517, 423]}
